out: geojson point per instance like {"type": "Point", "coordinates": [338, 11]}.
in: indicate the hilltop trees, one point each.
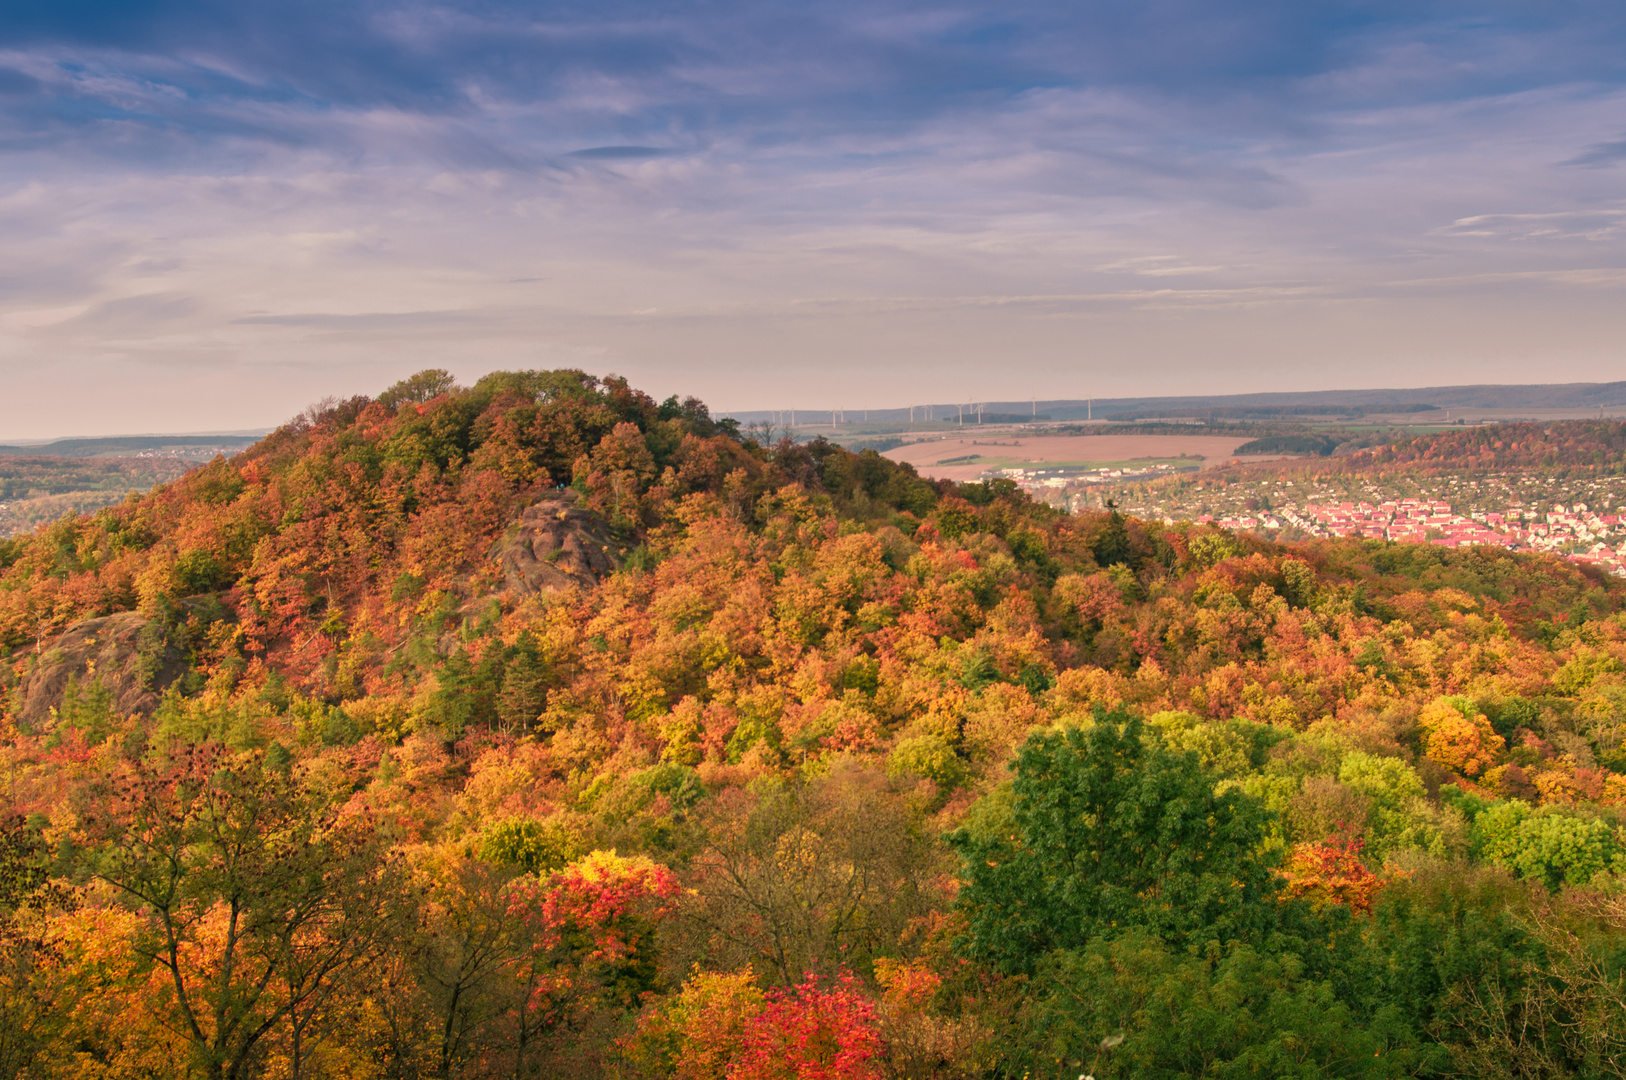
{"type": "Point", "coordinates": [426, 385]}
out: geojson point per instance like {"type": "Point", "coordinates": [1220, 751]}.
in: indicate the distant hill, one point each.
{"type": "Point", "coordinates": [1328, 403]}
{"type": "Point", "coordinates": [192, 446]}
{"type": "Point", "coordinates": [1570, 445]}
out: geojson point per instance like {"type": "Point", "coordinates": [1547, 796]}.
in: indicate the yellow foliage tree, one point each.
{"type": "Point", "coordinates": [1459, 738]}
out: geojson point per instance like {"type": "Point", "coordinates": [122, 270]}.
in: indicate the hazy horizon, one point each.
{"type": "Point", "coordinates": [227, 212]}
{"type": "Point", "coordinates": [1543, 404]}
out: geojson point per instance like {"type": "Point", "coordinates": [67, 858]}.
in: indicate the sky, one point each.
{"type": "Point", "coordinates": [215, 213]}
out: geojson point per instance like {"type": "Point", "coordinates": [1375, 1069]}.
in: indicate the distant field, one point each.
{"type": "Point", "coordinates": [1011, 449]}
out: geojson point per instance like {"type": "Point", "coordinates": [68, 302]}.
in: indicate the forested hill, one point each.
{"type": "Point", "coordinates": [1580, 446]}
{"type": "Point", "coordinates": [339, 552]}
{"type": "Point", "coordinates": [541, 728]}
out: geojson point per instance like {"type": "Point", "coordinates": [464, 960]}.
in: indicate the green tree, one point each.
{"type": "Point", "coordinates": [526, 677]}
{"type": "Point", "coordinates": [1398, 816]}
{"type": "Point", "coordinates": [1442, 953]}
{"type": "Point", "coordinates": [1111, 544]}
{"type": "Point", "coordinates": [1107, 830]}
{"type": "Point", "coordinates": [1133, 1006]}
{"type": "Point", "coordinates": [1556, 849]}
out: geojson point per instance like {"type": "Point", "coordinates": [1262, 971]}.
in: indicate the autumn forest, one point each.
{"type": "Point", "coordinates": [539, 728]}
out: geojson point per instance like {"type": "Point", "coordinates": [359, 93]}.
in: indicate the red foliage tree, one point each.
{"type": "Point", "coordinates": [812, 1033]}
{"type": "Point", "coordinates": [1331, 872]}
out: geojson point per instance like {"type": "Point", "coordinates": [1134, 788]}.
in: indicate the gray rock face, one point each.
{"type": "Point", "coordinates": [127, 652]}
{"type": "Point", "coordinates": [558, 544]}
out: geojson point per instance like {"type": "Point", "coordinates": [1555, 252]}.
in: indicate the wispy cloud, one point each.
{"type": "Point", "coordinates": [1600, 155]}
{"type": "Point", "coordinates": [371, 320]}
{"type": "Point", "coordinates": [1166, 193]}
{"type": "Point", "coordinates": [622, 153]}
{"type": "Point", "coordinates": [1602, 224]}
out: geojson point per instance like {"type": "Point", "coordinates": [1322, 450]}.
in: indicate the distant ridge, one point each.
{"type": "Point", "coordinates": [1479, 396]}
{"type": "Point", "coordinates": [128, 444]}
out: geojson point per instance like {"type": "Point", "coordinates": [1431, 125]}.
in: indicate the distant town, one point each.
{"type": "Point", "coordinates": [1062, 477]}
{"type": "Point", "coordinates": [1581, 520]}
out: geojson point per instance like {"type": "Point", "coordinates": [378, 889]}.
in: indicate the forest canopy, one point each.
{"type": "Point", "coordinates": [541, 728]}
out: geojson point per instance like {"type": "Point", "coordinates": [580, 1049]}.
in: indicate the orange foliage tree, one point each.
{"type": "Point", "coordinates": [254, 894]}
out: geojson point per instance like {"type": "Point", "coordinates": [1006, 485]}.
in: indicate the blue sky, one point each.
{"type": "Point", "coordinates": [215, 213]}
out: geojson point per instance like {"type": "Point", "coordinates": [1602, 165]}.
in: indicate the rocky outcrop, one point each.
{"type": "Point", "coordinates": [557, 544]}
{"type": "Point", "coordinates": [127, 653]}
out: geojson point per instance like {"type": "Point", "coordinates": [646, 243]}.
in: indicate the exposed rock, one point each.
{"type": "Point", "coordinates": [557, 544]}
{"type": "Point", "coordinates": [128, 653]}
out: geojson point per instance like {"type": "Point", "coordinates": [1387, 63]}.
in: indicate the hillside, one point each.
{"type": "Point", "coordinates": [541, 728]}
